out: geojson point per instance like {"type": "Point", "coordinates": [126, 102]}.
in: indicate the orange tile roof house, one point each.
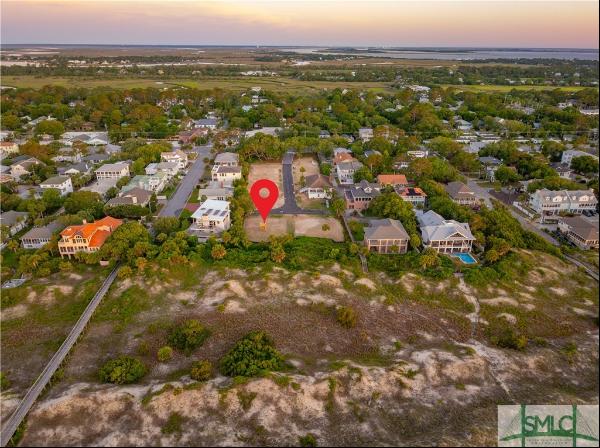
{"type": "Point", "coordinates": [88, 237]}
{"type": "Point", "coordinates": [392, 179]}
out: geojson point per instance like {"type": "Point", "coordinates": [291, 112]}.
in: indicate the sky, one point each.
{"type": "Point", "coordinates": [484, 23]}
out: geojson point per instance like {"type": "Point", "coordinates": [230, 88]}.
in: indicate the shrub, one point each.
{"type": "Point", "coordinates": [346, 316]}
{"type": "Point", "coordinates": [325, 227]}
{"type": "Point", "coordinates": [188, 336]}
{"type": "Point", "coordinates": [201, 370]}
{"type": "Point", "coordinates": [507, 337]}
{"type": "Point", "coordinates": [253, 354]}
{"type": "Point", "coordinates": [218, 252]}
{"type": "Point", "coordinates": [122, 370]}
{"type": "Point", "coordinates": [164, 354]}
{"type": "Point", "coordinates": [307, 440]}
{"type": "Point", "coordinates": [4, 382]}
{"type": "Point", "coordinates": [173, 423]}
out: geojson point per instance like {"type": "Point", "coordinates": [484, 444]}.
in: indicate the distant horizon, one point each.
{"type": "Point", "coordinates": [307, 23]}
{"type": "Point", "coordinates": [348, 46]}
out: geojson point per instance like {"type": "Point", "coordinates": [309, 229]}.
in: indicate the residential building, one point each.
{"type": "Point", "coordinates": [155, 183]}
{"type": "Point", "coordinates": [212, 217]}
{"type": "Point", "coordinates": [8, 148]}
{"type": "Point", "coordinates": [214, 191]}
{"type": "Point", "coordinates": [549, 204]}
{"type": "Point", "coordinates": [169, 168]}
{"type": "Point", "coordinates": [227, 159]}
{"type": "Point", "coordinates": [74, 169]}
{"type": "Point", "coordinates": [100, 186]}
{"type": "Point", "coordinates": [414, 195]}
{"type": "Point", "coordinates": [89, 138]}
{"type": "Point", "coordinates": [207, 123]}
{"type": "Point", "coordinates": [324, 134]}
{"type": "Point", "coordinates": [187, 137]}
{"type": "Point", "coordinates": [345, 171]}
{"type": "Point", "coordinates": [96, 158]}
{"type": "Point", "coordinates": [14, 221]}
{"type": "Point", "coordinates": [88, 237]}
{"type": "Point", "coordinates": [342, 157]}
{"type": "Point", "coordinates": [23, 166]}
{"type": "Point", "coordinates": [61, 183]}
{"type": "Point", "coordinates": [365, 134]}
{"type": "Point", "coordinates": [317, 186]}
{"type": "Point", "coordinates": [461, 194]}
{"type": "Point", "coordinates": [177, 156]}
{"type": "Point", "coordinates": [38, 237]}
{"type": "Point", "coordinates": [112, 171]}
{"type": "Point", "coordinates": [580, 231]}
{"type": "Point", "coordinates": [225, 175]}
{"type": "Point", "coordinates": [68, 154]}
{"type": "Point", "coordinates": [570, 154]}
{"type": "Point", "coordinates": [360, 196]}
{"type": "Point", "coordinates": [392, 180]}
{"type": "Point", "coordinates": [386, 236]}
{"type": "Point", "coordinates": [446, 236]}
{"type": "Point", "coordinates": [135, 196]}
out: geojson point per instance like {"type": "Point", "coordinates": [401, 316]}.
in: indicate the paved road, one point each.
{"type": "Point", "coordinates": [34, 392]}
{"type": "Point", "coordinates": [187, 184]}
{"type": "Point", "coordinates": [290, 207]}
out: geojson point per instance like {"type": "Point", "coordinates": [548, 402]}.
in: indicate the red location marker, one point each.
{"type": "Point", "coordinates": [264, 204]}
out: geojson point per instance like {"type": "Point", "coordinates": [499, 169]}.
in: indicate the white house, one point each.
{"type": "Point", "coordinates": [214, 191]}
{"type": "Point", "coordinates": [8, 148]}
{"type": "Point", "coordinates": [227, 159]}
{"type": "Point", "coordinates": [177, 156]}
{"type": "Point", "coordinates": [22, 166]}
{"type": "Point", "coordinates": [112, 171]}
{"type": "Point", "coordinates": [570, 154]}
{"type": "Point", "coordinates": [225, 175]}
{"type": "Point", "coordinates": [89, 138]}
{"type": "Point", "coordinates": [345, 171]}
{"type": "Point", "coordinates": [207, 123]}
{"type": "Point", "coordinates": [317, 186]}
{"type": "Point", "coordinates": [212, 217]}
{"type": "Point", "coordinates": [549, 204]}
{"type": "Point", "coordinates": [446, 236]}
{"type": "Point", "coordinates": [365, 134]}
{"type": "Point", "coordinates": [61, 183]}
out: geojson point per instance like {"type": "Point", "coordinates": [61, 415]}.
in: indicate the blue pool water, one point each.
{"type": "Point", "coordinates": [466, 258]}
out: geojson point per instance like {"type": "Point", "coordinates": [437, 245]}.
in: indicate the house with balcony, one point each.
{"type": "Point", "coordinates": [177, 156]}
{"type": "Point", "coordinates": [215, 191]}
{"type": "Point", "coordinates": [155, 183]}
{"type": "Point", "coordinates": [345, 171]}
{"type": "Point", "coordinates": [581, 231]}
{"type": "Point", "coordinates": [317, 186]}
{"type": "Point", "coordinates": [227, 159]}
{"type": "Point", "coordinates": [416, 196]}
{"type": "Point", "coordinates": [446, 236]}
{"type": "Point", "coordinates": [87, 237]}
{"type": "Point", "coordinates": [360, 196]}
{"type": "Point", "coordinates": [461, 194]}
{"type": "Point", "coordinates": [212, 218]}
{"type": "Point", "coordinates": [38, 237]}
{"type": "Point", "coordinates": [386, 236]}
{"type": "Point", "coordinates": [551, 204]}
{"type": "Point", "coordinates": [225, 175]}
{"type": "Point", "coordinates": [112, 171]}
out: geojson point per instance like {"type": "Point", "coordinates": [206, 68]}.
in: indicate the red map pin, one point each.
{"type": "Point", "coordinates": [264, 204]}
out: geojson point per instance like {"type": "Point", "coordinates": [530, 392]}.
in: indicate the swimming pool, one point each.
{"type": "Point", "coordinates": [466, 258]}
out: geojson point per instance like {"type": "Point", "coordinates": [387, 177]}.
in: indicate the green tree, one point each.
{"type": "Point", "coordinates": [122, 370]}
{"type": "Point", "coordinates": [188, 336]}
{"type": "Point", "coordinates": [253, 354]}
{"type": "Point", "coordinates": [218, 252]}
{"type": "Point", "coordinates": [201, 370]}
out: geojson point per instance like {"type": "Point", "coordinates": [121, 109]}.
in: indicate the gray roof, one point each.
{"type": "Point", "coordinates": [56, 180]}
{"type": "Point", "coordinates": [386, 229]}
{"type": "Point", "coordinates": [127, 198]}
{"type": "Point", "coordinates": [317, 181]}
{"type": "Point", "coordinates": [11, 217]}
{"type": "Point", "coordinates": [588, 230]}
{"type": "Point", "coordinates": [227, 157]}
{"type": "Point", "coordinates": [350, 165]}
{"type": "Point", "coordinates": [206, 122]}
{"type": "Point", "coordinates": [96, 157]}
{"type": "Point", "coordinates": [434, 228]}
{"type": "Point", "coordinates": [229, 169]}
{"type": "Point", "coordinates": [82, 167]}
{"type": "Point", "coordinates": [44, 232]}
{"type": "Point", "coordinates": [458, 190]}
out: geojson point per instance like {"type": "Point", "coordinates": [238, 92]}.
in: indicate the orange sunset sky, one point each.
{"type": "Point", "coordinates": [566, 24]}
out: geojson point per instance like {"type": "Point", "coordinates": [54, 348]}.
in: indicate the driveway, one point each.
{"type": "Point", "coordinates": [290, 207]}
{"type": "Point", "coordinates": [187, 184]}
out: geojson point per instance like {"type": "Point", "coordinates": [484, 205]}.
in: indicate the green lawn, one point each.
{"type": "Point", "coordinates": [501, 88]}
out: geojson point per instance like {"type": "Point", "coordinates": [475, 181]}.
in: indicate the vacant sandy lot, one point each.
{"type": "Point", "coordinates": [310, 166]}
{"type": "Point", "coordinates": [267, 170]}
{"type": "Point", "coordinates": [298, 225]}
